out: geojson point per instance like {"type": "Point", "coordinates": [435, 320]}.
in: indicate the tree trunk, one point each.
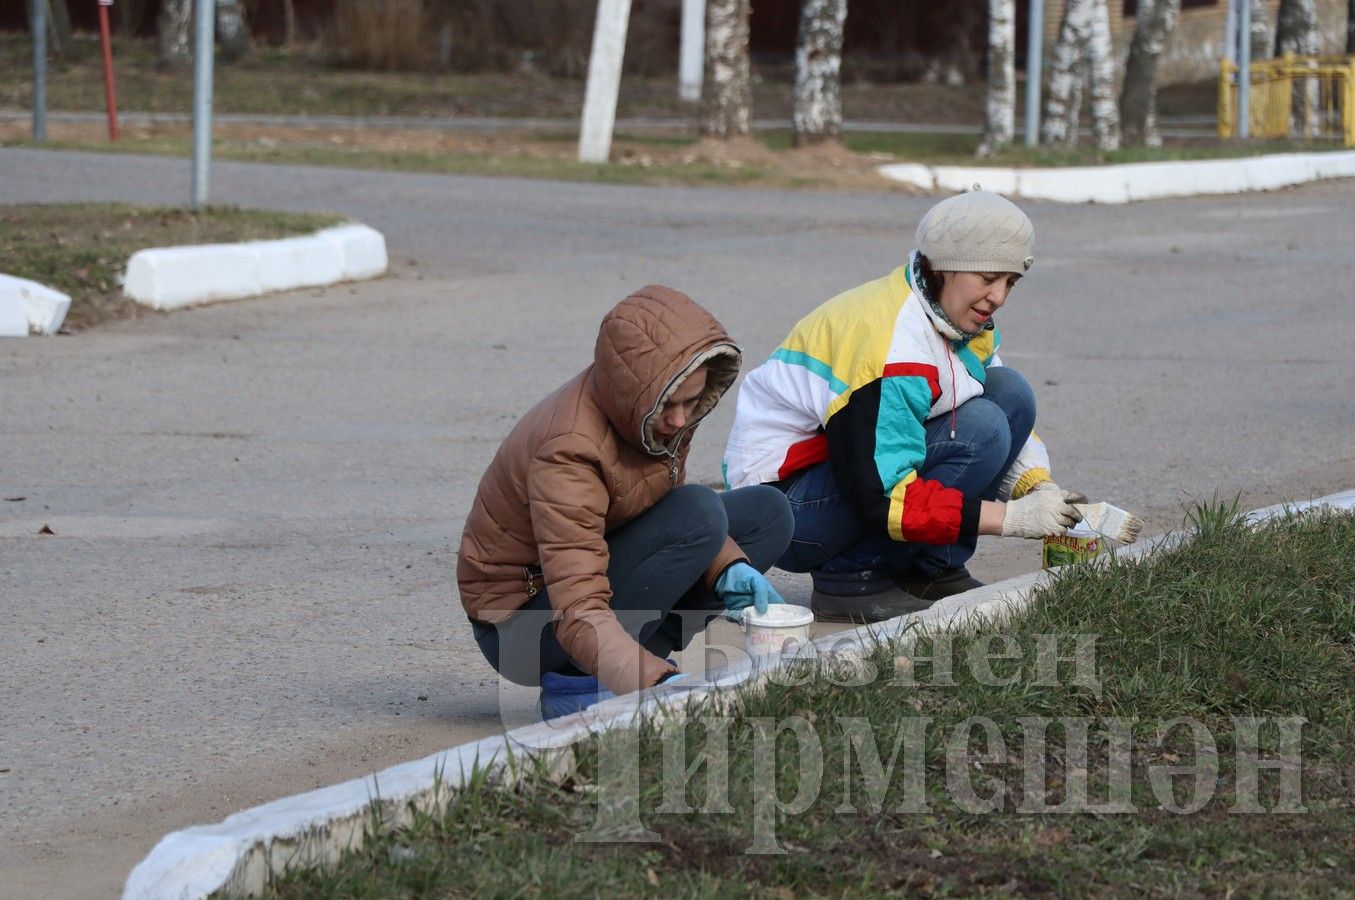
{"type": "Point", "coordinates": [1001, 107]}
{"type": "Point", "coordinates": [1260, 30]}
{"type": "Point", "coordinates": [1296, 32]}
{"type": "Point", "coordinates": [1350, 28]}
{"type": "Point", "coordinates": [174, 33]}
{"type": "Point", "coordinates": [728, 93]}
{"type": "Point", "coordinates": [59, 38]}
{"type": "Point", "coordinates": [1064, 99]}
{"type": "Point", "coordinates": [129, 15]}
{"type": "Point", "coordinates": [231, 29]}
{"type": "Point", "coordinates": [289, 22]}
{"type": "Point", "coordinates": [817, 114]}
{"type": "Point", "coordinates": [1101, 60]}
{"type": "Point", "coordinates": [1138, 102]}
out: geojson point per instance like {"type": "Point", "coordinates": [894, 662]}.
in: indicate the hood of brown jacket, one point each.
{"type": "Point", "coordinates": [647, 346]}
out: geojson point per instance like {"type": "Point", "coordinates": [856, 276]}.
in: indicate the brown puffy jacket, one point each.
{"type": "Point", "coordinates": [583, 462]}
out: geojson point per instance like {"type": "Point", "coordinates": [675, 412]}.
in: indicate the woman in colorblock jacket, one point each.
{"type": "Point", "coordinates": [586, 561]}
{"type": "Point", "coordinates": [890, 423]}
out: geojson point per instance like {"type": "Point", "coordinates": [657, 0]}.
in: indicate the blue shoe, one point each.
{"type": "Point", "coordinates": [562, 695]}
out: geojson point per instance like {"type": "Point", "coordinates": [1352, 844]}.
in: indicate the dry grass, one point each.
{"type": "Point", "coordinates": [384, 35]}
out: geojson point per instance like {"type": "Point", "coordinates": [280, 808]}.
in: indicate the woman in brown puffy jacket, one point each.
{"type": "Point", "coordinates": [586, 561]}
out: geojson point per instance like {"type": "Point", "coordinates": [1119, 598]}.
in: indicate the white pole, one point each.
{"type": "Point", "coordinates": [692, 57]}
{"type": "Point", "coordinates": [1034, 71]}
{"type": "Point", "coordinates": [204, 45]}
{"type": "Point", "coordinates": [604, 81]}
{"type": "Point", "coordinates": [1243, 129]}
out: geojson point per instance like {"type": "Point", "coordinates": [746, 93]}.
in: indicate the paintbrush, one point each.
{"type": "Point", "coordinates": [1111, 521]}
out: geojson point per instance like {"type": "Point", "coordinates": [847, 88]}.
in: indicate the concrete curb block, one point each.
{"type": "Point", "coordinates": [26, 305]}
{"type": "Point", "coordinates": [174, 277]}
{"type": "Point", "coordinates": [237, 854]}
{"type": "Point", "coordinates": [1134, 181]}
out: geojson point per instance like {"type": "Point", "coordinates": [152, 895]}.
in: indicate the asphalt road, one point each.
{"type": "Point", "coordinates": [256, 505]}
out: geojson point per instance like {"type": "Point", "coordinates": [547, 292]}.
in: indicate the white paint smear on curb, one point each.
{"type": "Point", "coordinates": [173, 277]}
{"type": "Point", "coordinates": [27, 305]}
{"type": "Point", "coordinates": [237, 854]}
{"type": "Point", "coordinates": [1133, 181]}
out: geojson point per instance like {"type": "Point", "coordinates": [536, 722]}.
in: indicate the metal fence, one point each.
{"type": "Point", "coordinates": [1299, 97]}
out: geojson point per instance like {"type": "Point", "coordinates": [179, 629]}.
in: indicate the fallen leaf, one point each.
{"type": "Point", "coordinates": [1236, 681]}
{"type": "Point", "coordinates": [652, 877]}
{"type": "Point", "coordinates": [46, 529]}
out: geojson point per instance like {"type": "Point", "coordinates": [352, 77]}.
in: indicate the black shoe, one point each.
{"type": "Point", "coordinates": [863, 610]}
{"type": "Point", "coordinates": [860, 597]}
{"type": "Point", "coordinates": [947, 584]}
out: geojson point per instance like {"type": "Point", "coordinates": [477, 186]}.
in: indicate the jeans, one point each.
{"type": "Point", "coordinates": [656, 565]}
{"type": "Point", "coordinates": [990, 431]}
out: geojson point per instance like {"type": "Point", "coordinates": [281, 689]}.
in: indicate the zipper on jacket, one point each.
{"type": "Point", "coordinates": [673, 469]}
{"type": "Point", "coordinates": [531, 585]}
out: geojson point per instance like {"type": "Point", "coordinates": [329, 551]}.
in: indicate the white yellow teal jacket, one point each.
{"type": "Point", "coordinates": [854, 384]}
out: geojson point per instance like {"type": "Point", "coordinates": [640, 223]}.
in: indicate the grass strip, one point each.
{"type": "Point", "coordinates": [1234, 625]}
{"type": "Point", "coordinates": [81, 249]}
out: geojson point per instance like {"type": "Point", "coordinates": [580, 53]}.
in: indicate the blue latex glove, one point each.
{"type": "Point", "coordinates": [741, 586]}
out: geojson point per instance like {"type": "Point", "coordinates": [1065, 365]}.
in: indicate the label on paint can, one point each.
{"type": "Point", "coordinates": [1078, 545]}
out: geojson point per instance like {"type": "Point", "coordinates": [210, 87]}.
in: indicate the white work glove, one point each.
{"type": "Point", "coordinates": [1040, 513]}
{"type": "Point", "coordinates": [1051, 486]}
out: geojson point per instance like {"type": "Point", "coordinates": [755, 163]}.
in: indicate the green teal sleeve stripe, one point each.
{"type": "Point", "coordinates": [817, 366]}
{"type": "Point", "coordinates": [971, 362]}
{"type": "Point", "coordinates": [900, 435]}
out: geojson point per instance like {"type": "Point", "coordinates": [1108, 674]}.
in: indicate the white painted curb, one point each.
{"type": "Point", "coordinates": [1133, 181]}
{"type": "Point", "coordinates": [26, 305]}
{"type": "Point", "coordinates": [173, 277]}
{"type": "Point", "coordinates": [237, 854]}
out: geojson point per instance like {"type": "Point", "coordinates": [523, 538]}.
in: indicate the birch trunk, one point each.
{"type": "Point", "coordinates": [174, 33]}
{"type": "Point", "coordinates": [1296, 32]}
{"type": "Point", "coordinates": [817, 114]}
{"type": "Point", "coordinates": [1101, 60]}
{"type": "Point", "coordinates": [728, 94]}
{"type": "Point", "coordinates": [1064, 99]}
{"type": "Point", "coordinates": [1261, 44]}
{"type": "Point", "coordinates": [231, 29]}
{"type": "Point", "coordinates": [1138, 102]}
{"type": "Point", "coordinates": [1001, 109]}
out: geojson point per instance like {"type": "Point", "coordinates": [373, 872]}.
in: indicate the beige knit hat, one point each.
{"type": "Point", "coordinates": [977, 231]}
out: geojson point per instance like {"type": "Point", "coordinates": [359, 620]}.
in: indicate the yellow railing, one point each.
{"type": "Point", "coordinates": [1300, 97]}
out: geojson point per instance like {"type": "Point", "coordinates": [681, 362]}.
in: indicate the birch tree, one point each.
{"type": "Point", "coordinates": [1260, 30]}
{"type": "Point", "coordinates": [1101, 60]}
{"type": "Point", "coordinates": [728, 99]}
{"type": "Point", "coordinates": [1064, 98]}
{"type": "Point", "coordinates": [817, 114]}
{"type": "Point", "coordinates": [173, 36]}
{"type": "Point", "coordinates": [1296, 32]}
{"type": "Point", "coordinates": [231, 29]}
{"type": "Point", "coordinates": [1138, 102]}
{"type": "Point", "coordinates": [1001, 108]}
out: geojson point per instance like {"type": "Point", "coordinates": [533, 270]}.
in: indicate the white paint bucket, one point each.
{"type": "Point", "coordinates": [783, 630]}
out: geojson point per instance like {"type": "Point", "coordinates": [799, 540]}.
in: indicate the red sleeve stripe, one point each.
{"type": "Point", "coordinates": [806, 453]}
{"type": "Point", "coordinates": [919, 370]}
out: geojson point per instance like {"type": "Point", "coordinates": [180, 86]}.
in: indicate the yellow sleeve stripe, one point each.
{"type": "Point", "coordinates": [896, 506]}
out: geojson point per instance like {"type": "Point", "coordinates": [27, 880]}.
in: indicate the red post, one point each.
{"type": "Point", "coordinates": [110, 93]}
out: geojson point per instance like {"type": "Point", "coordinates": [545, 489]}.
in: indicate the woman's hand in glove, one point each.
{"type": "Point", "coordinates": [1041, 512]}
{"type": "Point", "coordinates": [1079, 497]}
{"type": "Point", "coordinates": [741, 586]}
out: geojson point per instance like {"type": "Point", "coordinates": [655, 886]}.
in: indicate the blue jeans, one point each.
{"type": "Point", "coordinates": [655, 569]}
{"type": "Point", "coordinates": [989, 432]}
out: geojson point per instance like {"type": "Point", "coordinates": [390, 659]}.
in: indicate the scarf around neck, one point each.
{"type": "Point", "coordinates": [940, 320]}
